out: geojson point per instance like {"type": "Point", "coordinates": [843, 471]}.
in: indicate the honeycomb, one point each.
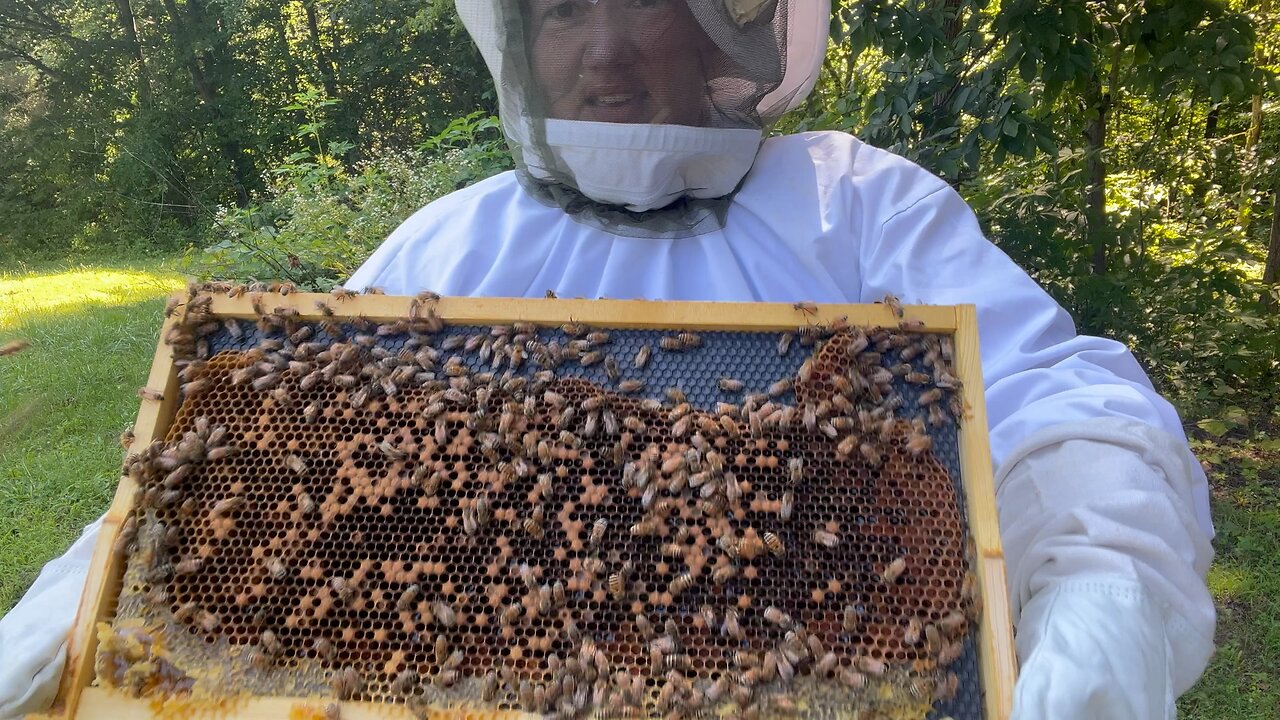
{"type": "Point", "coordinates": [570, 521]}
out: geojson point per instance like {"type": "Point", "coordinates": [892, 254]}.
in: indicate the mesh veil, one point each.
{"type": "Point", "coordinates": [708, 64]}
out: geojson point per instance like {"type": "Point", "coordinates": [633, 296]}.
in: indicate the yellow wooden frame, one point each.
{"type": "Point", "coordinates": [76, 698]}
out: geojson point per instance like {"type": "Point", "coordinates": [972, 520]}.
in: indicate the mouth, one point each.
{"type": "Point", "coordinates": [613, 100]}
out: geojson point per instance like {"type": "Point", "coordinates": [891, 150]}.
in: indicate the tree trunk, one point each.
{"type": "Point", "coordinates": [345, 122]}
{"type": "Point", "coordinates": [1096, 200]}
{"type": "Point", "coordinates": [243, 172]}
{"type": "Point", "coordinates": [292, 79]}
{"type": "Point", "coordinates": [129, 26]}
{"type": "Point", "coordinates": [1244, 212]}
{"type": "Point", "coordinates": [1271, 271]}
{"type": "Point", "coordinates": [328, 74]}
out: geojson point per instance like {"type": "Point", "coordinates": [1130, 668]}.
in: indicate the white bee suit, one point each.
{"type": "Point", "coordinates": [1104, 512]}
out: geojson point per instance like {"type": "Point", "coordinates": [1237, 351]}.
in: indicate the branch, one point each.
{"type": "Point", "coordinates": [8, 52]}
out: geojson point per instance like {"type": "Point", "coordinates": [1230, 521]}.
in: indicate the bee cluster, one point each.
{"type": "Point", "coordinates": [541, 518]}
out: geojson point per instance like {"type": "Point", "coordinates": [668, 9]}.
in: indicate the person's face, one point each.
{"type": "Point", "coordinates": [623, 61]}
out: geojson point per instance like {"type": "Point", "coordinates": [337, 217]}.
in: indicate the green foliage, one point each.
{"type": "Point", "coordinates": [319, 220]}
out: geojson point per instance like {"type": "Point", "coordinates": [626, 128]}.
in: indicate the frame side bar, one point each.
{"type": "Point", "coordinates": [103, 582]}
{"type": "Point", "coordinates": [997, 656]}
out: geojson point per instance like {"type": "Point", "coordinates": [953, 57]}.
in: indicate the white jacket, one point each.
{"type": "Point", "coordinates": [823, 217]}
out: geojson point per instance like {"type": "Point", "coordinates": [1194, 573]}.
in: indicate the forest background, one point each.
{"type": "Point", "coordinates": [1126, 153]}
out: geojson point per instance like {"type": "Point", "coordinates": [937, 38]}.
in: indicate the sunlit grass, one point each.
{"type": "Point", "coordinates": [36, 295]}
{"type": "Point", "coordinates": [64, 400]}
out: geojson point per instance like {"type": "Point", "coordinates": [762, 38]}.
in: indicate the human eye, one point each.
{"type": "Point", "coordinates": [564, 10]}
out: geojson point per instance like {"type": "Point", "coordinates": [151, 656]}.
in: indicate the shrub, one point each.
{"type": "Point", "coordinates": [321, 220]}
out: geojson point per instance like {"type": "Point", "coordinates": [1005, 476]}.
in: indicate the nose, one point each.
{"type": "Point", "coordinates": [609, 42]}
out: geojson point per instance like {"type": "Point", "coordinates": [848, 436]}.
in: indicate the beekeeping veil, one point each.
{"type": "Point", "coordinates": [643, 116]}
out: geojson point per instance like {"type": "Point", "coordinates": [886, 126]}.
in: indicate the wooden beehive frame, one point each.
{"type": "Point", "coordinates": [77, 698]}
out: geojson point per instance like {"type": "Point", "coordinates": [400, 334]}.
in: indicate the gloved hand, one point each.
{"type": "Point", "coordinates": [1106, 564]}
{"type": "Point", "coordinates": [33, 635]}
{"type": "Point", "coordinates": [1094, 648]}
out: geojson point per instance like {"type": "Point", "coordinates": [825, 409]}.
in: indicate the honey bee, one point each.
{"type": "Point", "coordinates": [296, 464]}
{"type": "Point", "coordinates": [849, 619]}
{"type": "Point", "coordinates": [929, 397]}
{"type": "Point", "coordinates": [489, 689]}
{"type": "Point", "coordinates": [949, 653]}
{"type": "Point", "coordinates": [894, 571]}
{"type": "Point", "coordinates": [642, 357]}
{"type": "Point", "coordinates": [952, 623]}
{"type": "Point", "coordinates": [544, 600]}
{"type": "Point", "coordinates": [731, 627]}
{"type": "Point", "coordinates": [682, 582]}
{"type": "Point", "coordinates": [533, 524]}
{"type": "Point", "coordinates": [724, 574]}
{"type": "Point", "coordinates": [826, 539]}
{"type": "Point", "coordinates": [343, 589]}
{"type": "Point", "coordinates": [645, 528]}
{"type": "Point", "coordinates": [806, 308]}
{"type": "Point", "coordinates": [937, 416]}
{"type": "Point", "coordinates": [598, 530]}
{"type": "Point", "coordinates": [591, 358]}
{"type": "Point", "coordinates": [911, 634]}
{"type": "Point", "coordinates": [510, 614]}
{"type": "Point", "coordinates": [324, 649]}
{"type": "Point", "coordinates": [689, 340]}
{"type": "Point", "coordinates": [627, 387]}
{"type": "Point", "coordinates": [786, 669]}
{"type": "Point", "coordinates": [825, 665]}
{"type": "Point", "coordinates": [228, 505]}
{"type": "Point", "coordinates": [644, 627]}
{"type": "Point", "coordinates": [853, 679]}
{"type": "Point", "coordinates": [774, 544]}
{"type": "Point", "coordinates": [346, 683]}
{"type": "Point", "coordinates": [617, 585]}
{"type": "Point", "coordinates": [918, 443]}
{"type": "Point", "coordinates": [730, 385]}
{"type": "Point", "coordinates": [270, 644]}
{"type": "Point", "coordinates": [787, 506]}
{"type": "Point", "coordinates": [208, 621]}
{"type": "Point", "coordinates": [333, 711]}
{"type": "Point", "coordinates": [276, 568]}
{"type": "Point", "coordinates": [128, 533]}
{"type": "Point", "coordinates": [671, 343]}
{"type": "Point", "coordinates": [871, 666]}
{"type": "Point", "coordinates": [149, 394]}
{"type": "Point", "coordinates": [774, 616]}
{"type": "Point", "coordinates": [611, 368]}
{"type": "Point", "coordinates": [404, 682]}
{"type": "Point", "coordinates": [444, 614]}
{"type": "Point", "coordinates": [870, 453]}
{"type": "Point", "coordinates": [391, 452]}
{"type": "Point", "coordinates": [780, 388]}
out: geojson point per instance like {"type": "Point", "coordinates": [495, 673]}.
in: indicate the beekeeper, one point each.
{"type": "Point", "coordinates": [638, 127]}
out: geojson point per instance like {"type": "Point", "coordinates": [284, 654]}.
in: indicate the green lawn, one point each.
{"type": "Point", "coordinates": [65, 399]}
{"type": "Point", "coordinates": [93, 329]}
{"type": "Point", "coordinates": [1244, 680]}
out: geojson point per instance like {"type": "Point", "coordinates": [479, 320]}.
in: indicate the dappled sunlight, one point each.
{"type": "Point", "coordinates": [43, 295]}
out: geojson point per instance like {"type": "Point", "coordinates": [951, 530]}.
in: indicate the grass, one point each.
{"type": "Point", "coordinates": [65, 399]}
{"type": "Point", "coordinates": [93, 329]}
{"type": "Point", "coordinates": [1243, 681]}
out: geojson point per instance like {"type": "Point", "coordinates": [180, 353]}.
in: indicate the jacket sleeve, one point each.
{"type": "Point", "coordinates": [33, 635]}
{"type": "Point", "coordinates": [1094, 477]}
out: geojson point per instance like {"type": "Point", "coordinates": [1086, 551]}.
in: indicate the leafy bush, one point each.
{"type": "Point", "coordinates": [321, 220]}
{"type": "Point", "coordinates": [1186, 297]}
